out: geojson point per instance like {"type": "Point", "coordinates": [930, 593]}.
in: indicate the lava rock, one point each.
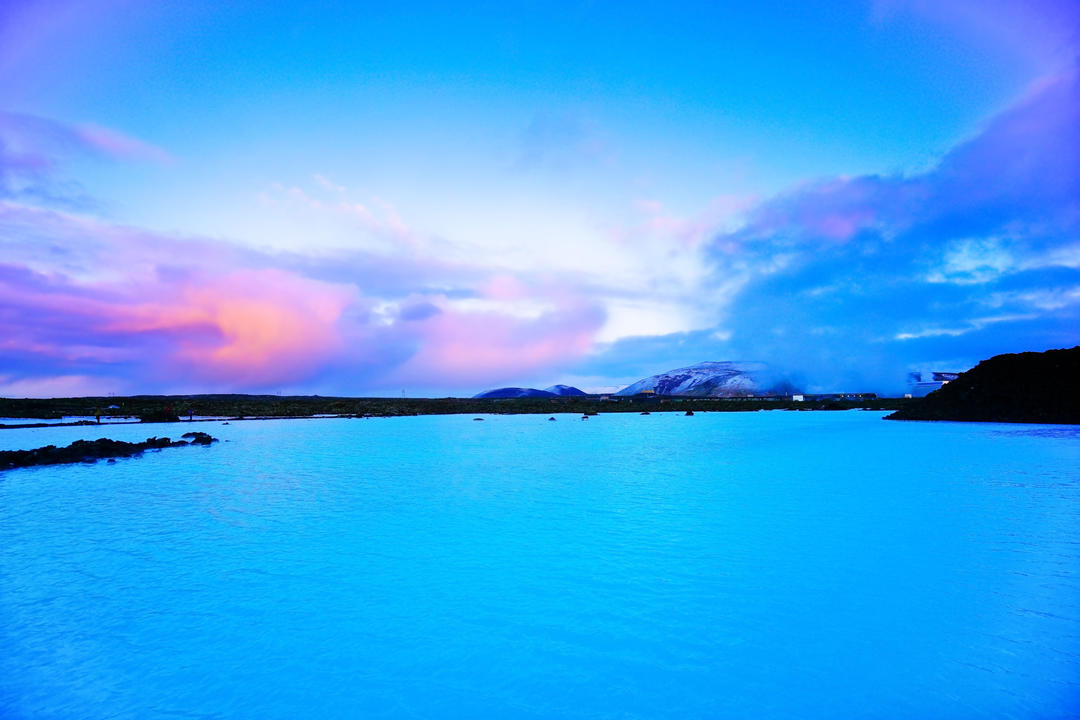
{"type": "Point", "coordinates": [89, 451]}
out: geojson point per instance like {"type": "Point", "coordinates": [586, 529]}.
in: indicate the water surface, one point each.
{"type": "Point", "coordinates": [767, 565]}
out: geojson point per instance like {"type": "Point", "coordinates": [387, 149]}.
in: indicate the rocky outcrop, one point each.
{"type": "Point", "coordinates": [88, 451]}
{"type": "Point", "coordinates": [1026, 387]}
{"type": "Point", "coordinates": [159, 416]}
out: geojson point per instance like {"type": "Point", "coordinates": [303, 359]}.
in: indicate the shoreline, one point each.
{"type": "Point", "coordinates": [235, 408]}
{"type": "Point", "coordinates": [182, 421]}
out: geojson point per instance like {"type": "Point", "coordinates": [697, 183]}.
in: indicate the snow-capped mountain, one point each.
{"type": "Point", "coordinates": [518, 392]}
{"type": "Point", "coordinates": [565, 390]}
{"type": "Point", "coordinates": [513, 392]}
{"type": "Point", "coordinates": [707, 379]}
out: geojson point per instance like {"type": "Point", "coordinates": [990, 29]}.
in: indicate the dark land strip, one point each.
{"type": "Point", "coordinates": [174, 408]}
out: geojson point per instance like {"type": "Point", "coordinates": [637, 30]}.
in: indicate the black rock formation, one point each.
{"type": "Point", "coordinates": [159, 416]}
{"type": "Point", "coordinates": [1025, 387]}
{"type": "Point", "coordinates": [92, 451]}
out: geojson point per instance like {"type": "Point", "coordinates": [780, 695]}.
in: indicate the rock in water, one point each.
{"type": "Point", "coordinates": [91, 451]}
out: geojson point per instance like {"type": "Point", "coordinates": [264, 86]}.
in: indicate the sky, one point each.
{"type": "Point", "coordinates": [381, 198]}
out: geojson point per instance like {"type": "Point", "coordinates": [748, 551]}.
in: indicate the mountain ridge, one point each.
{"type": "Point", "coordinates": [707, 379]}
{"type": "Point", "coordinates": [520, 392]}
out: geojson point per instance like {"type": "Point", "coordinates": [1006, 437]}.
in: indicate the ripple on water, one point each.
{"type": "Point", "coordinates": [733, 565]}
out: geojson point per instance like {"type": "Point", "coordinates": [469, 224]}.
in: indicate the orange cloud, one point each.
{"type": "Point", "coordinates": [252, 326]}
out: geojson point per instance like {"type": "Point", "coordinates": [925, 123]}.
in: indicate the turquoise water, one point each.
{"type": "Point", "coordinates": [743, 565]}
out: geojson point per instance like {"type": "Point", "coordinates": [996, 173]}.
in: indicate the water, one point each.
{"type": "Point", "coordinates": [68, 419]}
{"type": "Point", "coordinates": [765, 565]}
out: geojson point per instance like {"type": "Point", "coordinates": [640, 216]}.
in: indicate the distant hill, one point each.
{"type": "Point", "coordinates": [512, 392]}
{"type": "Point", "coordinates": [565, 391]}
{"type": "Point", "coordinates": [517, 392]}
{"type": "Point", "coordinates": [707, 379]}
{"type": "Point", "coordinates": [1026, 387]}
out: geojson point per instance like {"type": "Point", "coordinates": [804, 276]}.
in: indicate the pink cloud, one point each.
{"type": "Point", "coordinates": [480, 348]}
{"type": "Point", "coordinates": [251, 327]}
{"type": "Point", "coordinates": [693, 230]}
{"type": "Point", "coordinates": [841, 226]}
{"type": "Point", "coordinates": [376, 216]}
{"type": "Point", "coordinates": [46, 137]}
{"type": "Point", "coordinates": [117, 145]}
{"type": "Point", "coordinates": [1022, 162]}
{"type": "Point", "coordinates": [832, 211]}
{"type": "Point", "coordinates": [151, 313]}
{"type": "Point", "coordinates": [34, 150]}
{"type": "Point", "coordinates": [153, 325]}
{"type": "Point", "coordinates": [505, 287]}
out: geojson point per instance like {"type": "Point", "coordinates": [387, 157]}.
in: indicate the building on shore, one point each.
{"type": "Point", "coordinates": [922, 383]}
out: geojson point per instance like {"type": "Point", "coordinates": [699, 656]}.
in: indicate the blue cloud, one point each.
{"type": "Point", "coordinates": [850, 282]}
{"type": "Point", "coordinates": [857, 279]}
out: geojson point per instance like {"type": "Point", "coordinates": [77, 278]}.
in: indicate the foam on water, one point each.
{"type": "Point", "coordinates": [767, 565]}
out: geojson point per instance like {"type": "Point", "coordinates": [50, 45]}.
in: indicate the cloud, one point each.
{"type": "Point", "coordinates": [880, 273]}
{"type": "Point", "coordinates": [849, 281]}
{"type": "Point", "coordinates": [644, 272]}
{"type": "Point", "coordinates": [692, 231]}
{"type": "Point", "coordinates": [246, 328]}
{"type": "Point", "coordinates": [33, 150]}
{"type": "Point", "coordinates": [264, 326]}
{"type": "Point", "coordinates": [116, 145]}
{"type": "Point", "coordinates": [328, 184]}
{"type": "Point", "coordinates": [474, 349]}
{"type": "Point", "coordinates": [376, 218]}
{"type": "Point", "coordinates": [118, 309]}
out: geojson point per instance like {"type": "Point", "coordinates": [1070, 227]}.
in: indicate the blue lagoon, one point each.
{"type": "Point", "coordinates": [768, 565]}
